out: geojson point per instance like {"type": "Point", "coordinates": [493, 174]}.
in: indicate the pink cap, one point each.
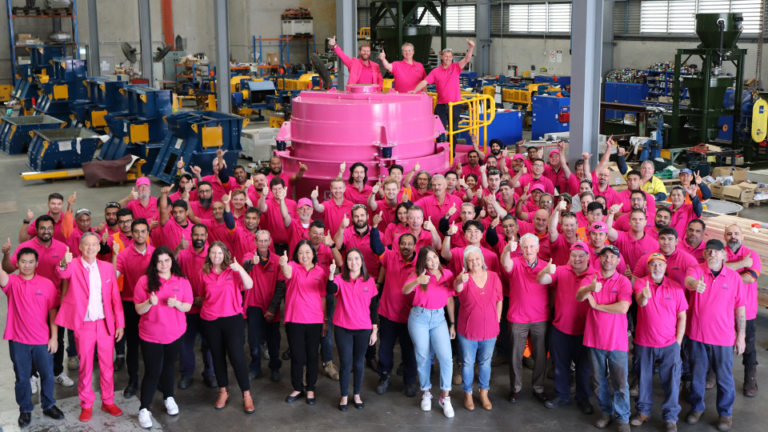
{"type": "Point", "coordinates": [537, 187]}
{"type": "Point", "coordinates": [142, 181]}
{"type": "Point", "coordinates": [580, 245]}
{"type": "Point", "coordinates": [598, 226]}
{"type": "Point", "coordinates": [304, 202]}
{"type": "Point", "coordinates": [554, 151]}
{"type": "Point", "coordinates": [518, 156]}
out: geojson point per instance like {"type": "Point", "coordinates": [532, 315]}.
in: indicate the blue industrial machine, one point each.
{"type": "Point", "coordinates": [56, 149]}
{"type": "Point", "coordinates": [562, 80]}
{"type": "Point", "coordinates": [141, 129]}
{"type": "Point", "coordinates": [506, 126]}
{"type": "Point", "coordinates": [104, 97]}
{"type": "Point", "coordinates": [652, 148]}
{"type": "Point", "coordinates": [251, 97]}
{"type": "Point", "coordinates": [195, 136]}
{"type": "Point", "coordinates": [550, 114]}
{"type": "Point", "coordinates": [16, 132]}
{"type": "Point", "coordinates": [30, 76]}
{"type": "Point", "coordinates": [624, 93]}
{"type": "Point", "coordinates": [65, 86]}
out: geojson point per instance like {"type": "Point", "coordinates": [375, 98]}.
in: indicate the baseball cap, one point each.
{"type": "Point", "coordinates": [554, 151]}
{"type": "Point", "coordinates": [657, 255]}
{"type": "Point", "coordinates": [580, 245]}
{"type": "Point", "coordinates": [567, 197]}
{"type": "Point", "coordinates": [610, 248]}
{"type": "Point", "coordinates": [599, 226]}
{"type": "Point", "coordinates": [504, 183]}
{"type": "Point", "coordinates": [715, 244]}
{"type": "Point", "coordinates": [518, 156]}
{"type": "Point", "coordinates": [81, 212]}
{"type": "Point", "coordinates": [686, 171]}
{"type": "Point", "coordinates": [537, 187]}
{"type": "Point", "coordinates": [142, 181]}
{"type": "Point", "coordinates": [304, 202]}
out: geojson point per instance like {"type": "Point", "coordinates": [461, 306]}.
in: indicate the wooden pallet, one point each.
{"type": "Point", "coordinates": [58, 12]}
{"type": "Point", "coordinates": [26, 10]}
{"type": "Point", "coordinates": [747, 204]}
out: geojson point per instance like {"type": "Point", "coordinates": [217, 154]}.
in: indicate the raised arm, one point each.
{"type": "Point", "coordinates": [468, 57]}
{"type": "Point", "coordinates": [372, 206]}
{"type": "Point", "coordinates": [165, 212]}
{"type": "Point", "coordinates": [606, 157]}
{"type": "Point", "coordinates": [545, 275]}
{"type": "Point", "coordinates": [420, 86]}
{"type": "Point", "coordinates": [315, 204]}
{"type": "Point", "coordinates": [554, 219]}
{"type": "Point", "coordinates": [284, 210]}
{"type": "Point", "coordinates": [299, 174]}
{"type": "Point", "coordinates": [286, 269]}
{"type": "Point", "coordinates": [408, 180]}
{"type": "Point", "coordinates": [445, 251]}
{"type": "Point", "coordinates": [262, 204]}
{"type": "Point", "coordinates": [387, 65]}
{"type": "Point", "coordinates": [131, 196]}
{"type": "Point", "coordinates": [586, 290]}
{"type": "Point", "coordinates": [506, 259]}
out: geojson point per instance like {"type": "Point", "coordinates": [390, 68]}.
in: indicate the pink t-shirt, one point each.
{"type": "Point", "coordinates": [622, 223]}
{"type": "Point", "coordinates": [407, 76]}
{"type": "Point", "coordinates": [304, 294]}
{"type": "Point", "coordinates": [570, 314]}
{"type": "Point", "coordinates": [288, 187]}
{"type": "Point", "coordinates": [712, 317]}
{"type": "Point", "coordinates": [457, 260]}
{"type": "Point", "coordinates": [623, 197]}
{"type": "Point", "coordinates": [610, 194]}
{"type": "Point", "coordinates": [437, 293]}
{"type": "Point", "coordinates": [681, 217]}
{"type": "Point", "coordinates": [351, 193]}
{"type": "Point", "coordinates": [750, 289]}
{"type": "Point", "coordinates": [48, 259]}
{"type": "Point", "coordinates": [433, 209]}
{"type": "Point", "coordinates": [677, 265]}
{"type": "Point", "coordinates": [393, 231]}
{"type": "Point", "coordinates": [388, 214]}
{"type": "Point", "coordinates": [272, 219]}
{"type": "Point", "coordinates": [199, 211]}
{"type": "Point", "coordinates": [478, 315]}
{"type": "Point", "coordinates": [607, 331]}
{"type": "Point", "coordinates": [296, 233]}
{"type": "Point", "coordinates": [265, 276]}
{"type": "Point", "coordinates": [657, 320]}
{"type": "Point", "coordinates": [353, 303]}
{"type": "Point", "coordinates": [353, 240]}
{"type": "Point", "coordinates": [557, 178]}
{"type": "Point", "coordinates": [219, 189]}
{"type": "Point", "coordinates": [221, 295]}
{"type": "Point", "coordinates": [697, 253]}
{"type": "Point", "coordinates": [163, 324]}
{"type": "Point", "coordinates": [132, 264]}
{"type": "Point", "coordinates": [527, 179]}
{"type": "Point", "coordinates": [394, 305]}
{"type": "Point", "coordinates": [560, 250]}
{"type": "Point", "coordinates": [148, 212]}
{"type": "Point", "coordinates": [528, 299]}
{"type": "Point", "coordinates": [632, 249]}
{"type": "Point", "coordinates": [218, 231]}
{"type": "Point", "coordinates": [334, 214]}
{"type": "Point", "coordinates": [172, 232]}
{"type": "Point", "coordinates": [446, 81]}
{"type": "Point", "coordinates": [191, 264]}
{"type": "Point", "coordinates": [467, 169]}
{"type": "Point", "coordinates": [28, 304]}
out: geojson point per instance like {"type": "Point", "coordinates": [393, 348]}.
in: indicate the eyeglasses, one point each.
{"type": "Point", "coordinates": [123, 222]}
{"type": "Point", "coordinates": [569, 214]}
{"type": "Point", "coordinates": [113, 204]}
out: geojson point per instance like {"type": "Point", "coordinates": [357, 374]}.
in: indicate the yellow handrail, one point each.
{"type": "Point", "coordinates": [475, 122]}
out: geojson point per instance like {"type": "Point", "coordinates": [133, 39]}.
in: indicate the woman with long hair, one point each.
{"type": "Point", "coordinates": [305, 320]}
{"type": "Point", "coordinates": [355, 320]}
{"type": "Point", "coordinates": [399, 225]}
{"type": "Point", "coordinates": [426, 324]}
{"type": "Point", "coordinates": [221, 318]}
{"type": "Point", "coordinates": [162, 297]}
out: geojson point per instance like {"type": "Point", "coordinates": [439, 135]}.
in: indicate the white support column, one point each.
{"type": "Point", "coordinates": [346, 35]}
{"type": "Point", "coordinates": [221, 18]}
{"type": "Point", "coordinates": [145, 31]}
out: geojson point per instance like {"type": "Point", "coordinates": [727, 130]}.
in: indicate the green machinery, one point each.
{"type": "Point", "coordinates": [698, 122]}
{"type": "Point", "coordinates": [406, 27]}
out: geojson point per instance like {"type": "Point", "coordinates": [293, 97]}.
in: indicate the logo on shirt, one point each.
{"type": "Point", "coordinates": [667, 297]}
{"type": "Point", "coordinates": [614, 289]}
{"type": "Point", "coordinates": [55, 255]}
{"type": "Point", "coordinates": [39, 293]}
{"type": "Point", "coordinates": [175, 288]}
{"type": "Point", "coordinates": [317, 278]}
{"type": "Point", "coordinates": [725, 286]}
{"type": "Point", "coordinates": [229, 277]}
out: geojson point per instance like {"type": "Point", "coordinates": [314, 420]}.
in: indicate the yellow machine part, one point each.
{"type": "Point", "coordinates": [60, 92]}
{"type": "Point", "coordinates": [211, 103]}
{"type": "Point", "coordinates": [276, 122]}
{"type": "Point", "coordinates": [45, 147]}
{"type": "Point", "coordinates": [759, 120]}
{"type": "Point", "coordinates": [305, 81]}
{"type": "Point", "coordinates": [97, 118]}
{"type": "Point", "coordinates": [489, 90]}
{"type": "Point", "coordinates": [13, 131]}
{"type": "Point", "coordinates": [235, 82]}
{"type": "Point", "coordinates": [5, 92]}
{"type": "Point", "coordinates": [389, 83]}
{"type": "Point", "coordinates": [212, 136]}
{"type": "Point", "coordinates": [139, 133]}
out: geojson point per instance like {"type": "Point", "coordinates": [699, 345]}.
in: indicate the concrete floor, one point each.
{"type": "Point", "coordinates": [382, 413]}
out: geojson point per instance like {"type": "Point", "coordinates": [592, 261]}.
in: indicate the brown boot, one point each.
{"type": "Point", "coordinates": [637, 419]}
{"type": "Point", "coordinates": [750, 381]}
{"type": "Point", "coordinates": [724, 424]}
{"type": "Point", "coordinates": [248, 402]}
{"type": "Point", "coordinates": [223, 398]}
{"type": "Point", "coordinates": [484, 399]}
{"type": "Point", "coordinates": [468, 402]}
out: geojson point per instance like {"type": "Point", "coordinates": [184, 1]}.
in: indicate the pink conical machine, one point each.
{"type": "Point", "coordinates": [360, 125]}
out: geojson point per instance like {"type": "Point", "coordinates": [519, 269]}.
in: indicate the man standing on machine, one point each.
{"type": "Point", "coordinates": [361, 70]}
{"type": "Point", "coordinates": [407, 72]}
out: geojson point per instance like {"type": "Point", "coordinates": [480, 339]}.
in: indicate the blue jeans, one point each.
{"type": "Point", "coordinates": [24, 356]}
{"type": "Point", "coordinates": [720, 358]}
{"type": "Point", "coordinates": [483, 351]}
{"type": "Point", "coordinates": [564, 349]}
{"type": "Point", "coordinates": [615, 363]}
{"type": "Point", "coordinates": [429, 329]}
{"type": "Point", "coordinates": [670, 370]}
{"type": "Point", "coordinates": [326, 343]}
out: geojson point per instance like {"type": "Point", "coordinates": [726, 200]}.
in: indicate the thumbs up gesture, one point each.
{"type": "Point", "coordinates": [701, 286]}
{"type": "Point", "coordinates": [315, 193]}
{"type": "Point", "coordinates": [284, 259]}
{"type": "Point", "coordinates": [453, 229]}
{"type": "Point", "coordinates": [104, 236]}
{"type": "Point", "coordinates": [115, 248]}
{"type": "Point", "coordinates": [511, 247]}
{"type": "Point", "coordinates": [463, 276]}
{"type": "Point", "coordinates": [423, 279]}
{"type": "Point", "coordinates": [134, 194]}
{"type": "Point", "coordinates": [596, 286]}
{"type": "Point", "coordinates": [72, 198]}
{"type": "Point", "coordinates": [345, 222]}
{"type": "Point", "coordinates": [377, 219]}
{"type": "Point", "coordinates": [376, 188]}
{"type": "Point", "coordinates": [562, 206]}
{"type": "Point", "coordinates": [7, 247]}
{"type": "Point", "coordinates": [550, 268]}
{"type": "Point", "coordinates": [101, 226]}
{"type": "Point", "coordinates": [152, 299]}
{"type": "Point", "coordinates": [428, 224]}
{"type": "Point", "coordinates": [452, 210]}
{"type": "Point", "coordinates": [172, 302]}
{"type": "Point", "coordinates": [68, 256]}
{"type": "Point", "coordinates": [235, 266]}
{"type": "Point", "coordinates": [30, 215]}
{"type": "Point", "coordinates": [331, 270]}
{"type": "Point", "coordinates": [184, 243]}
{"type": "Point", "coordinates": [343, 167]}
{"type": "Point", "coordinates": [495, 222]}
{"type": "Point", "coordinates": [647, 291]}
{"type": "Point", "coordinates": [265, 191]}
{"type": "Point", "coordinates": [327, 239]}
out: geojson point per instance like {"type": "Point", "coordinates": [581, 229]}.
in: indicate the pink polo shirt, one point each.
{"type": "Point", "coordinates": [677, 265]}
{"type": "Point", "coordinates": [353, 303]}
{"type": "Point", "coordinates": [407, 76]}
{"type": "Point", "coordinates": [560, 250]}
{"type": "Point", "coordinates": [622, 222]}
{"type": "Point", "coordinates": [432, 208]}
{"type": "Point", "coordinates": [255, 195]}
{"type": "Point", "coordinates": [573, 184]}
{"type": "Point", "coordinates": [459, 240]}
{"type": "Point", "coordinates": [272, 219]}
{"type": "Point", "coordinates": [697, 253]}
{"type": "Point", "coordinates": [191, 264]}
{"type": "Point", "coordinates": [219, 189]}
{"type": "Point", "coordinates": [750, 290]}
{"type": "Point", "coordinates": [286, 178]}
{"type": "Point", "coordinates": [711, 317]}
{"type": "Point", "coordinates": [657, 320]}
{"type": "Point", "coordinates": [570, 315]}
{"type": "Point", "coordinates": [416, 195]}
{"type": "Point", "coordinates": [354, 240]}
{"type": "Point", "coordinates": [334, 214]}
{"type": "Point", "coordinates": [296, 233]}
{"type": "Point", "coordinates": [132, 264]}
{"type": "Point", "coordinates": [221, 295]}
{"type": "Point", "coordinates": [681, 217]}
{"type": "Point", "coordinates": [528, 299]}
{"type": "Point", "coordinates": [583, 219]}
{"type": "Point", "coordinates": [467, 169]}
{"type": "Point", "coordinates": [632, 249]}
{"type": "Point", "coordinates": [218, 231]}
{"type": "Point", "coordinates": [557, 178]}
{"type": "Point", "coordinates": [172, 232]}
{"type": "Point", "coordinates": [437, 293]}
{"type": "Point", "coordinates": [478, 315]}
{"type": "Point", "coordinates": [607, 331]}
{"type": "Point", "coordinates": [527, 179]}
{"type": "Point", "coordinates": [265, 274]}
{"type": "Point", "coordinates": [424, 239]}
{"type": "Point", "coordinates": [393, 231]}
{"type": "Point", "coordinates": [446, 81]}
{"type": "Point", "coordinates": [489, 256]}
{"type": "Point", "coordinates": [594, 261]}
{"type": "Point", "coordinates": [545, 251]}
{"type": "Point", "coordinates": [57, 228]}
{"type": "Point", "coordinates": [394, 305]}
{"type": "Point", "coordinates": [148, 212]}
{"type": "Point", "coordinates": [48, 259]}
{"type": "Point", "coordinates": [199, 211]}
{"type": "Point", "coordinates": [356, 196]}
{"type": "Point", "coordinates": [324, 259]}
{"type": "Point", "coordinates": [243, 242]}
{"type": "Point", "coordinates": [163, 324]}
{"type": "Point", "coordinates": [366, 74]}
{"type": "Point", "coordinates": [388, 214]}
{"type": "Point", "coordinates": [28, 304]}
{"type": "Point", "coordinates": [610, 194]}
{"type": "Point", "coordinates": [623, 197]}
{"type": "Point", "coordinates": [304, 294]}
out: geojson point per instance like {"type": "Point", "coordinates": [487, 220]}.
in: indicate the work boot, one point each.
{"type": "Point", "coordinates": [119, 363]}
{"type": "Point", "coordinates": [384, 382]}
{"type": "Point", "coordinates": [638, 419]}
{"type": "Point", "coordinates": [724, 424]}
{"type": "Point", "coordinates": [468, 402]}
{"type": "Point", "coordinates": [671, 427]}
{"type": "Point", "coordinates": [373, 364]}
{"type": "Point", "coordinates": [623, 427]}
{"type": "Point", "coordinates": [693, 417]}
{"type": "Point", "coordinates": [585, 406]}
{"type": "Point", "coordinates": [711, 380]}
{"type": "Point", "coordinates": [331, 370]}
{"type": "Point", "coordinates": [603, 421]}
{"type": "Point", "coordinates": [456, 374]}
{"type": "Point", "coordinates": [750, 381]}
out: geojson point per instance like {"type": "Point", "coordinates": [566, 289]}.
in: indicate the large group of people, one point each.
{"type": "Point", "coordinates": [491, 257]}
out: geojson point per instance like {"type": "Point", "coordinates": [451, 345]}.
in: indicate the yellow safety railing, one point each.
{"type": "Point", "coordinates": [365, 32]}
{"type": "Point", "coordinates": [482, 111]}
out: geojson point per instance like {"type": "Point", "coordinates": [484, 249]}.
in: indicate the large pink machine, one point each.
{"type": "Point", "coordinates": [360, 125]}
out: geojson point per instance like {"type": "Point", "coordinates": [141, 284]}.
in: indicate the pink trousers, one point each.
{"type": "Point", "coordinates": [90, 335]}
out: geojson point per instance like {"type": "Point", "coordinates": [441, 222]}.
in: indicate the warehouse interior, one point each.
{"type": "Point", "coordinates": [74, 73]}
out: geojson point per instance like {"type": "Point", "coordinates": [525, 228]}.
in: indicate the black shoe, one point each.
{"type": "Point", "coordinates": [384, 382]}
{"type": "Point", "coordinates": [287, 354]}
{"type": "Point", "coordinates": [292, 399]}
{"type": "Point", "coordinates": [54, 412]}
{"type": "Point", "coordinates": [311, 401]}
{"type": "Point", "coordinates": [119, 364]}
{"type": "Point", "coordinates": [360, 405]}
{"type": "Point", "coordinates": [585, 406]}
{"type": "Point", "coordinates": [254, 375]}
{"type": "Point", "coordinates": [210, 381]}
{"type": "Point", "coordinates": [25, 419]}
{"type": "Point", "coordinates": [185, 382]}
{"type": "Point", "coordinates": [276, 377]}
{"type": "Point", "coordinates": [542, 397]}
{"type": "Point", "coordinates": [514, 396]}
{"type": "Point", "coordinates": [342, 407]}
{"type": "Point", "coordinates": [130, 391]}
{"type": "Point", "coordinates": [411, 390]}
{"type": "Point", "coordinates": [400, 370]}
{"type": "Point", "coordinates": [554, 403]}
{"type": "Point", "coordinates": [373, 364]}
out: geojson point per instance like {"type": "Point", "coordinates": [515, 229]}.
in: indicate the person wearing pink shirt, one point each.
{"type": "Point", "coordinates": [536, 177]}
{"type": "Point", "coordinates": [123, 239]}
{"type": "Point", "coordinates": [658, 337]}
{"type": "Point", "coordinates": [473, 165]}
{"type": "Point", "coordinates": [356, 320]}
{"type": "Point", "coordinates": [131, 263]}
{"type": "Point", "coordinates": [437, 205]}
{"type": "Point", "coordinates": [240, 203]}
{"type": "Point", "coordinates": [276, 170]}
{"type": "Point", "coordinates": [634, 181]}
{"type": "Point", "coordinates": [110, 217]}
{"type": "Point", "coordinates": [433, 290]}
{"type": "Point", "coordinates": [388, 205]}
{"type": "Point", "coordinates": [480, 298]}
{"type": "Point", "coordinates": [298, 228]}
{"type": "Point", "coordinates": [556, 171]}
{"type": "Point", "coordinates": [55, 210]}
{"type": "Point", "coordinates": [173, 221]}
{"type": "Point", "coordinates": [716, 330]}
{"type": "Point", "coordinates": [682, 212]}
{"type": "Point", "coordinates": [221, 317]}
{"type": "Point", "coordinates": [748, 264]}
{"type": "Point", "coordinates": [361, 70]}
{"type": "Point", "coordinates": [398, 226]}
{"type": "Point", "coordinates": [335, 208]}
{"type": "Point", "coordinates": [407, 72]}
{"type": "Point", "coordinates": [82, 225]}
{"type": "Point", "coordinates": [567, 337]}
{"type": "Point", "coordinates": [161, 298]}
{"type": "Point", "coordinates": [358, 236]}
{"type": "Point", "coordinates": [32, 333]}
{"type": "Point", "coordinates": [258, 183]}
{"type": "Point", "coordinates": [422, 185]}
{"type": "Point", "coordinates": [585, 199]}
{"type": "Point", "coordinates": [598, 237]}
{"type": "Point", "coordinates": [221, 225]}
{"type": "Point", "coordinates": [91, 307]}
{"type": "Point", "coordinates": [633, 244]}
{"type": "Point", "coordinates": [184, 183]}
{"type": "Point", "coordinates": [359, 190]}
{"type": "Point", "coordinates": [142, 203]}
{"type": "Point", "coordinates": [203, 206]}
{"type": "Point", "coordinates": [220, 181]}
{"type": "Point", "coordinates": [305, 316]}
{"type": "Point", "coordinates": [560, 243]}
{"type": "Point", "coordinates": [601, 176]}
{"type": "Point", "coordinates": [694, 242]}
{"type": "Point", "coordinates": [677, 260]}
{"type": "Point", "coordinates": [528, 314]}
{"type": "Point", "coordinates": [609, 295]}
{"type": "Point", "coordinates": [466, 214]}
{"type": "Point", "coordinates": [637, 200]}
{"type": "Point", "coordinates": [539, 228]}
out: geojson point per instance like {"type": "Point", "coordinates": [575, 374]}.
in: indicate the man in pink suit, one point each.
{"type": "Point", "coordinates": [92, 307]}
{"type": "Point", "coordinates": [361, 70]}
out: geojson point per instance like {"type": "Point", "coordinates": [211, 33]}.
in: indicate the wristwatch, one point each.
{"type": "Point", "coordinates": [25, 222]}
{"type": "Point", "coordinates": [333, 246]}
{"type": "Point", "coordinates": [451, 324]}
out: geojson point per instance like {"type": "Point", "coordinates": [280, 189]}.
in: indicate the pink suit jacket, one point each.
{"type": "Point", "coordinates": [74, 305]}
{"type": "Point", "coordinates": [355, 65]}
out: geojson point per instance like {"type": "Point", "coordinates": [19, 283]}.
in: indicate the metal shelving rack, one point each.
{"type": "Point", "coordinates": [12, 36]}
{"type": "Point", "coordinates": [285, 41]}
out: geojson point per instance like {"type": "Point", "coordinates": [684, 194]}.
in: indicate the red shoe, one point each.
{"type": "Point", "coordinates": [85, 414]}
{"type": "Point", "coordinates": [112, 409]}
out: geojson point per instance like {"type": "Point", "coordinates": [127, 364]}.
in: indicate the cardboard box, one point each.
{"type": "Point", "coordinates": [742, 192]}
{"type": "Point", "coordinates": [738, 174]}
{"type": "Point", "coordinates": [273, 59]}
{"type": "Point", "coordinates": [717, 190]}
{"type": "Point", "coordinates": [617, 181]}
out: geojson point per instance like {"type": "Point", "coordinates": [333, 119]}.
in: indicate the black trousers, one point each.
{"type": "Point", "coordinates": [159, 361]}
{"type": "Point", "coordinates": [259, 329]}
{"type": "Point", "coordinates": [304, 342]}
{"type": "Point", "coordinates": [132, 340]}
{"type": "Point", "coordinates": [226, 338]}
{"type": "Point", "coordinates": [441, 110]}
{"type": "Point", "coordinates": [352, 345]}
{"type": "Point", "coordinates": [750, 353]}
{"type": "Point", "coordinates": [502, 341]}
{"type": "Point", "coordinates": [391, 332]}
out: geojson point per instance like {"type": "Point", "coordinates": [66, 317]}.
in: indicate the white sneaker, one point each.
{"type": "Point", "coordinates": [171, 407]}
{"type": "Point", "coordinates": [64, 380]}
{"type": "Point", "coordinates": [145, 419]}
{"type": "Point", "coordinates": [447, 408]}
{"type": "Point", "coordinates": [33, 382]}
{"type": "Point", "coordinates": [426, 401]}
